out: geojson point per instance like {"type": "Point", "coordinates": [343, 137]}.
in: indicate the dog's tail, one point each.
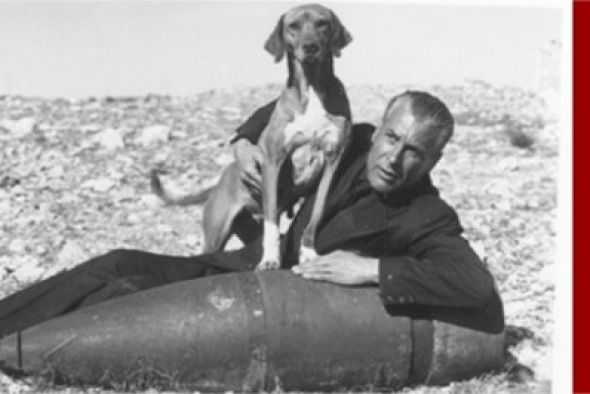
{"type": "Point", "coordinates": [189, 199]}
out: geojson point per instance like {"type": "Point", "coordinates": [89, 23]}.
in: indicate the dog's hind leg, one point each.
{"type": "Point", "coordinates": [218, 225]}
{"type": "Point", "coordinates": [224, 204]}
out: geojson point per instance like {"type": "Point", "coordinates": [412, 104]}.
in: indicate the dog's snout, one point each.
{"type": "Point", "coordinates": [311, 49]}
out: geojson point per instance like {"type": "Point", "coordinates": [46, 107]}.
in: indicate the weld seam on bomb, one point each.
{"type": "Point", "coordinates": [422, 342]}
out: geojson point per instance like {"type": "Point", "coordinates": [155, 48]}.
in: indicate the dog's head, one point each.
{"type": "Point", "coordinates": [311, 32]}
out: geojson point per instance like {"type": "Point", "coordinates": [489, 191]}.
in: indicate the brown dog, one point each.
{"type": "Point", "coordinates": [311, 125]}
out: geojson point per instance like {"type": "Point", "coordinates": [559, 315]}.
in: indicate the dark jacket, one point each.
{"type": "Point", "coordinates": [424, 260]}
{"type": "Point", "coordinates": [426, 270]}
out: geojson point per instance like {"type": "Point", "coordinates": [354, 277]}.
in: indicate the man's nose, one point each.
{"type": "Point", "coordinates": [395, 157]}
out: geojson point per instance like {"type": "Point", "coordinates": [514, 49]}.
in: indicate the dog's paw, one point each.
{"type": "Point", "coordinates": [306, 254]}
{"type": "Point", "coordinates": [268, 265]}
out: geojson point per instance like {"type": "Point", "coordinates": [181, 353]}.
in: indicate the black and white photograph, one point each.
{"type": "Point", "coordinates": [257, 196]}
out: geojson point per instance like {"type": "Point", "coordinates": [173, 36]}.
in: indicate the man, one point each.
{"type": "Point", "coordinates": [384, 224]}
{"type": "Point", "coordinates": [405, 238]}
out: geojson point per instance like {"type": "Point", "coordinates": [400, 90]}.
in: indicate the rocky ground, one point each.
{"type": "Point", "coordinates": [74, 183]}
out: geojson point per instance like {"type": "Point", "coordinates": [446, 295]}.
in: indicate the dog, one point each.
{"type": "Point", "coordinates": [309, 129]}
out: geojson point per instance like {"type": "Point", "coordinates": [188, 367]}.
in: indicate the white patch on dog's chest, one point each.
{"type": "Point", "coordinates": [311, 137]}
{"type": "Point", "coordinates": [312, 126]}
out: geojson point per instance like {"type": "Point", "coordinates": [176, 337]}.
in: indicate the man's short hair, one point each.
{"type": "Point", "coordinates": [430, 109]}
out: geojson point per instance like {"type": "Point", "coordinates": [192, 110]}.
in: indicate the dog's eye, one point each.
{"type": "Point", "coordinates": [322, 24]}
{"type": "Point", "coordinates": [294, 26]}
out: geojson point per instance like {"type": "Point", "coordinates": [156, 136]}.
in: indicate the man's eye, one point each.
{"type": "Point", "coordinates": [413, 153]}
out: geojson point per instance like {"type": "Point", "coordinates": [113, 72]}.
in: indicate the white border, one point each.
{"type": "Point", "coordinates": [562, 337]}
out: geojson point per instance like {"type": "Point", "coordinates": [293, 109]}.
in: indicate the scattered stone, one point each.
{"type": "Point", "coordinates": [153, 134]}
{"type": "Point", "coordinates": [17, 246]}
{"type": "Point", "coordinates": [510, 163]}
{"type": "Point", "coordinates": [4, 207]}
{"type": "Point", "coordinates": [19, 127]}
{"type": "Point", "coordinates": [161, 157]}
{"type": "Point", "coordinates": [178, 134]}
{"type": "Point", "coordinates": [151, 201]}
{"type": "Point", "coordinates": [70, 255]}
{"type": "Point", "coordinates": [7, 181]}
{"type": "Point", "coordinates": [115, 174]}
{"type": "Point", "coordinates": [100, 185]}
{"type": "Point", "coordinates": [479, 249]}
{"type": "Point", "coordinates": [28, 270]}
{"type": "Point", "coordinates": [55, 172]}
{"type": "Point", "coordinates": [516, 307]}
{"type": "Point", "coordinates": [224, 159]}
{"type": "Point", "coordinates": [164, 228]}
{"type": "Point", "coordinates": [15, 386]}
{"type": "Point", "coordinates": [109, 139]}
{"type": "Point", "coordinates": [41, 250]}
{"type": "Point", "coordinates": [133, 218]}
{"type": "Point", "coordinates": [125, 194]}
{"type": "Point", "coordinates": [191, 240]}
{"type": "Point", "coordinates": [91, 128]}
{"type": "Point", "coordinates": [519, 138]}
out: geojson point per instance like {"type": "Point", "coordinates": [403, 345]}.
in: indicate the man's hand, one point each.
{"type": "Point", "coordinates": [342, 267]}
{"type": "Point", "coordinates": [249, 159]}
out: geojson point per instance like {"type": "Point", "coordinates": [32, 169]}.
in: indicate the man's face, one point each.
{"type": "Point", "coordinates": [404, 150]}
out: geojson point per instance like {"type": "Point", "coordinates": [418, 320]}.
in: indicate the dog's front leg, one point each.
{"type": "Point", "coordinates": [309, 233]}
{"type": "Point", "coordinates": [271, 235]}
{"type": "Point", "coordinates": [334, 142]}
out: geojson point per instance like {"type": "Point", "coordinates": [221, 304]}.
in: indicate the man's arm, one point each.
{"type": "Point", "coordinates": [253, 127]}
{"type": "Point", "coordinates": [248, 155]}
{"type": "Point", "coordinates": [428, 261]}
{"type": "Point", "coordinates": [342, 267]}
{"type": "Point", "coordinates": [444, 272]}
{"type": "Point", "coordinates": [441, 270]}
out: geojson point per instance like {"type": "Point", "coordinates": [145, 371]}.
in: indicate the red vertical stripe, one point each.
{"type": "Point", "coordinates": [581, 219]}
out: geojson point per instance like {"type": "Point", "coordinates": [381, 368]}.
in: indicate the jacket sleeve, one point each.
{"type": "Point", "coordinates": [252, 128]}
{"type": "Point", "coordinates": [438, 266]}
{"type": "Point", "coordinates": [439, 271]}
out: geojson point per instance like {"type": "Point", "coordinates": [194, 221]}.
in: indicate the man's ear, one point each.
{"type": "Point", "coordinates": [275, 43]}
{"type": "Point", "coordinates": [341, 37]}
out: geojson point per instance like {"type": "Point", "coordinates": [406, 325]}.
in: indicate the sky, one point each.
{"type": "Point", "coordinates": [84, 48]}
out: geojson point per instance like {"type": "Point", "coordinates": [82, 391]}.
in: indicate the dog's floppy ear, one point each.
{"type": "Point", "coordinates": [275, 44]}
{"type": "Point", "coordinates": [341, 37]}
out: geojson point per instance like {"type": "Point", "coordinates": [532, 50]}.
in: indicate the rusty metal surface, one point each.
{"type": "Point", "coordinates": [248, 332]}
{"type": "Point", "coordinates": [189, 332]}
{"type": "Point", "coordinates": [460, 353]}
{"type": "Point", "coordinates": [466, 344]}
{"type": "Point", "coordinates": [327, 337]}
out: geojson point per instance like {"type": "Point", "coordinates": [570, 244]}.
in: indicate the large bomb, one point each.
{"type": "Point", "coordinates": [259, 331]}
